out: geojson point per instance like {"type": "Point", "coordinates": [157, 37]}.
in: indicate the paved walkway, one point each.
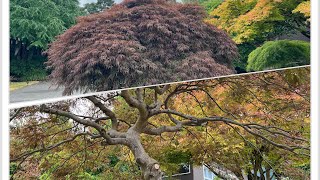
{"type": "Point", "coordinates": [38, 91]}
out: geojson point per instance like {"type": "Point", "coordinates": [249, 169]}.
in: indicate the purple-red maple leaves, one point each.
{"type": "Point", "coordinates": [139, 42]}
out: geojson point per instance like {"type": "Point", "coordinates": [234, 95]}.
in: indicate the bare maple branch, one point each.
{"type": "Point", "coordinates": [15, 114]}
{"type": "Point", "coordinates": [160, 90]}
{"type": "Point", "coordinates": [27, 154]}
{"type": "Point", "coordinates": [105, 110]}
{"type": "Point", "coordinates": [112, 136]}
{"type": "Point", "coordinates": [195, 121]}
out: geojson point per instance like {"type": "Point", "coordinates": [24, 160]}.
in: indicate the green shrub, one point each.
{"type": "Point", "coordinates": [28, 70]}
{"type": "Point", "coordinates": [279, 54]}
{"type": "Point", "coordinates": [13, 168]}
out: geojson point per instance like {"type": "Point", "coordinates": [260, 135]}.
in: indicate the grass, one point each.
{"type": "Point", "coordinates": [19, 85]}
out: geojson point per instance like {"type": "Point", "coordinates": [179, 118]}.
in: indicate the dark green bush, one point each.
{"type": "Point", "coordinates": [13, 168]}
{"type": "Point", "coordinates": [244, 50]}
{"type": "Point", "coordinates": [279, 54]}
{"type": "Point", "coordinates": [28, 70]}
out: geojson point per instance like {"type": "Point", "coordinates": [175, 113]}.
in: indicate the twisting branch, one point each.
{"type": "Point", "coordinates": [105, 110]}
{"type": "Point", "coordinates": [162, 129]}
{"type": "Point", "coordinates": [111, 136]}
{"type": "Point", "coordinates": [132, 101]}
{"type": "Point", "coordinates": [72, 116]}
{"type": "Point", "coordinates": [140, 105]}
{"type": "Point", "coordinates": [162, 90]}
{"type": "Point", "coordinates": [281, 132]}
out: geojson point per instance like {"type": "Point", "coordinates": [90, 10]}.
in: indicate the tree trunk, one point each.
{"type": "Point", "coordinates": [262, 177]}
{"type": "Point", "coordinates": [150, 167]}
{"type": "Point", "coordinates": [255, 172]}
{"type": "Point", "coordinates": [268, 174]}
{"type": "Point", "coordinates": [151, 171]}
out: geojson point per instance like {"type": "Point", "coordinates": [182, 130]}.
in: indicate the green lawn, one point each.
{"type": "Point", "coordinates": [18, 85]}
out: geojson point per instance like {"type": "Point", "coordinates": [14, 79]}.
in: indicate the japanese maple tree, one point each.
{"type": "Point", "coordinates": [140, 42]}
{"type": "Point", "coordinates": [251, 120]}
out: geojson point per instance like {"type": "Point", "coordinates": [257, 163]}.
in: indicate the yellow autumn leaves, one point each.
{"type": "Point", "coordinates": [250, 20]}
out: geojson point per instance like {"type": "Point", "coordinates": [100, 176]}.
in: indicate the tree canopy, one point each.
{"type": "Point", "coordinates": [260, 121]}
{"type": "Point", "coordinates": [35, 23]}
{"type": "Point", "coordinates": [279, 54]}
{"type": "Point", "coordinates": [98, 6]}
{"type": "Point", "coordinates": [139, 43]}
{"type": "Point", "coordinates": [303, 8]}
{"type": "Point", "coordinates": [260, 20]}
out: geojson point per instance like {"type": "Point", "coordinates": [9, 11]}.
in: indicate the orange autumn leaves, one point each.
{"type": "Point", "coordinates": [250, 20]}
{"type": "Point", "coordinates": [246, 102]}
{"type": "Point", "coordinates": [303, 8]}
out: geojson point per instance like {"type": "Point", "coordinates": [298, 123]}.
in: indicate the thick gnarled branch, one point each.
{"type": "Point", "coordinates": [105, 110]}
{"type": "Point", "coordinates": [111, 136]}
{"type": "Point", "coordinates": [138, 103]}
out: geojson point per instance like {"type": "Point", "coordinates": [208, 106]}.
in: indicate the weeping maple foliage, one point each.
{"type": "Point", "coordinates": [139, 42]}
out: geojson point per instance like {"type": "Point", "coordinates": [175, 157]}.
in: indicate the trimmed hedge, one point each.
{"type": "Point", "coordinates": [279, 54]}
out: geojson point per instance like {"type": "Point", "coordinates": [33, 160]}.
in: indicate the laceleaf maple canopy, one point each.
{"type": "Point", "coordinates": [139, 42]}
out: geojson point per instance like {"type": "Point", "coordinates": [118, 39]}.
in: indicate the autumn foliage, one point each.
{"type": "Point", "coordinates": [260, 20]}
{"type": "Point", "coordinates": [139, 42]}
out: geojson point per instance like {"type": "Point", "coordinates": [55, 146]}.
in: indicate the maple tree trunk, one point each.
{"type": "Point", "coordinates": [255, 174]}
{"type": "Point", "coordinates": [262, 177]}
{"type": "Point", "coordinates": [268, 175]}
{"type": "Point", "coordinates": [150, 167]}
{"type": "Point", "coordinates": [151, 171]}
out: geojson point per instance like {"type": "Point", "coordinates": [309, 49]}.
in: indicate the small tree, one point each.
{"type": "Point", "coordinates": [279, 54]}
{"type": "Point", "coordinates": [139, 43]}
